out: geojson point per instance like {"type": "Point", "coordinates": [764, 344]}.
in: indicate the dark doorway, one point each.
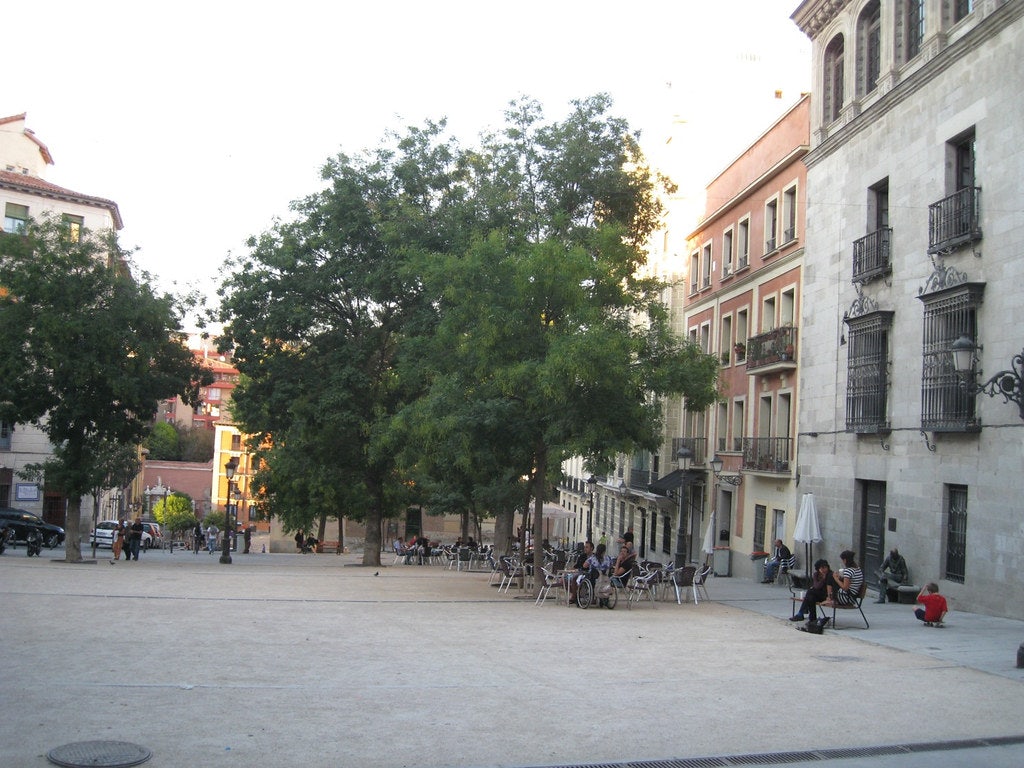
{"type": "Point", "coordinates": [872, 528]}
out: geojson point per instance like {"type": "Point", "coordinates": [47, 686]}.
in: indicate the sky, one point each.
{"type": "Point", "coordinates": [204, 120]}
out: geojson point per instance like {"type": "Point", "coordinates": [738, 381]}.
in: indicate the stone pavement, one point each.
{"type": "Point", "coordinates": [291, 660]}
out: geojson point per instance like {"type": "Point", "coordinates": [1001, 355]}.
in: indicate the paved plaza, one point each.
{"type": "Point", "coordinates": [292, 660]}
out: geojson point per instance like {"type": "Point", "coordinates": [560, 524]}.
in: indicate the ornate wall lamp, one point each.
{"type": "Point", "coordinates": [1007, 383]}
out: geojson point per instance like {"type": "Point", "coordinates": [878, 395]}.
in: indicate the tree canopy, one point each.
{"type": "Point", "coordinates": [86, 352]}
{"type": "Point", "coordinates": [450, 324]}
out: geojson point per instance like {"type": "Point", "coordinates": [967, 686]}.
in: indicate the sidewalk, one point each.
{"type": "Point", "coordinates": [303, 660]}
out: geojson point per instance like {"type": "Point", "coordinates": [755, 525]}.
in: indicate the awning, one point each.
{"type": "Point", "coordinates": [671, 481]}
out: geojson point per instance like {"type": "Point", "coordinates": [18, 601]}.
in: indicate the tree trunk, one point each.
{"type": "Point", "coordinates": [503, 525]}
{"type": "Point", "coordinates": [72, 526]}
{"type": "Point", "coordinates": [371, 546]}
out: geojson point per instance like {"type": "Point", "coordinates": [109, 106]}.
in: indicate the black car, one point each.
{"type": "Point", "coordinates": [21, 522]}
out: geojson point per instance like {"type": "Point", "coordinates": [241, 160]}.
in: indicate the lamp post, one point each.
{"type": "Point", "coordinates": [591, 487]}
{"type": "Point", "coordinates": [684, 459]}
{"type": "Point", "coordinates": [229, 473]}
{"type": "Point", "coordinates": [1008, 383]}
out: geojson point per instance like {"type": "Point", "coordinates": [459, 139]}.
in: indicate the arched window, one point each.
{"type": "Point", "coordinates": [910, 29]}
{"type": "Point", "coordinates": [833, 79]}
{"type": "Point", "coordinates": [869, 47]}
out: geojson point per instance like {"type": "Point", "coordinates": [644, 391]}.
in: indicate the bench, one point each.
{"type": "Point", "coordinates": [329, 546]}
{"type": "Point", "coordinates": [800, 585]}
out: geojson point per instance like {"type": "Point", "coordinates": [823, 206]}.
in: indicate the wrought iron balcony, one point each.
{"type": "Point", "coordinates": [698, 446]}
{"type": "Point", "coordinates": [773, 350]}
{"type": "Point", "coordinates": [955, 220]}
{"type": "Point", "coordinates": [871, 256]}
{"type": "Point", "coordinates": [767, 454]}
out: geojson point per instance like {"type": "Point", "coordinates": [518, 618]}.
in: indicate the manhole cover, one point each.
{"type": "Point", "coordinates": [111, 754]}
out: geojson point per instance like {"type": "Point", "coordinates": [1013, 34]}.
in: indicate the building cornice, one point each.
{"type": "Point", "coordinates": [908, 88]}
{"type": "Point", "coordinates": [813, 16]}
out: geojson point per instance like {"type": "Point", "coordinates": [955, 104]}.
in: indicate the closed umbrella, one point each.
{"type": "Point", "coordinates": [808, 530]}
{"type": "Point", "coordinates": [709, 539]}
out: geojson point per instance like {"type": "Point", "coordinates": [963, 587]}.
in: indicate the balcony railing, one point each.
{"type": "Point", "coordinates": [640, 478]}
{"type": "Point", "coordinates": [955, 220]}
{"type": "Point", "coordinates": [776, 348]}
{"type": "Point", "coordinates": [767, 454]}
{"type": "Point", "coordinates": [697, 445]}
{"type": "Point", "coordinates": [871, 256]}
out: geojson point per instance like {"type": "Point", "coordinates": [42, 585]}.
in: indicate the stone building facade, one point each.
{"type": "Point", "coordinates": [915, 230]}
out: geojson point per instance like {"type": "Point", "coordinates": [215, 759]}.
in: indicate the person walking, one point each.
{"type": "Point", "coordinates": [118, 543]}
{"type": "Point", "coordinates": [211, 537]}
{"type": "Point", "coordinates": [197, 538]}
{"type": "Point", "coordinates": [135, 539]}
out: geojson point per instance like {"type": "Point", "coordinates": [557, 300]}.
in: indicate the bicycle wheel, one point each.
{"type": "Point", "coordinates": [585, 594]}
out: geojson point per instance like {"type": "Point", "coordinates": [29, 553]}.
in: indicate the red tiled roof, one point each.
{"type": "Point", "coordinates": [33, 185]}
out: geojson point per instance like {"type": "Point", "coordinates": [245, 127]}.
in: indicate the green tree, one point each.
{"type": "Point", "coordinates": [86, 352]}
{"type": "Point", "coordinates": [313, 316]}
{"type": "Point", "coordinates": [175, 513]}
{"type": "Point", "coordinates": [162, 442]}
{"type": "Point", "coordinates": [543, 322]}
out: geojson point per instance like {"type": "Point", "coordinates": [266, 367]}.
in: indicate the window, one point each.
{"type": "Point", "coordinates": [694, 271]}
{"type": "Point", "coordinates": [833, 79]}
{"type": "Point", "coordinates": [956, 533]}
{"type": "Point", "coordinates": [867, 364]}
{"type": "Point", "coordinates": [706, 267]}
{"type": "Point", "coordinates": [727, 253]}
{"type": "Point", "coordinates": [913, 28]}
{"type": "Point", "coordinates": [725, 344]}
{"type": "Point", "coordinates": [743, 244]}
{"type": "Point", "coordinates": [789, 215]}
{"type": "Point", "coordinates": [236, 442]}
{"type": "Point", "coordinates": [871, 253]}
{"type": "Point", "coordinates": [787, 306]}
{"type": "Point", "coordinates": [778, 525]}
{"type": "Point", "coordinates": [948, 314]}
{"type": "Point", "coordinates": [73, 227]}
{"type": "Point", "coordinates": [722, 427]}
{"type": "Point", "coordinates": [869, 42]}
{"type": "Point", "coordinates": [737, 425]}
{"type": "Point", "coordinates": [6, 431]}
{"type": "Point", "coordinates": [768, 314]}
{"type": "Point", "coordinates": [15, 217]}
{"type": "Point", "coordinates": [742, 331]}
{"type": "Point", "coordinates": [962, 9]}
{"type": "Point", "coordinates": [213, 393]}
{"type": "Point", "coordinates": [956, 219]}
{"type": "Point", "coordinates": [666, 534]}
{"type": "Point", "coordinates": [771, 226]}
{"type": "Point", "coordinates": [760, 513]}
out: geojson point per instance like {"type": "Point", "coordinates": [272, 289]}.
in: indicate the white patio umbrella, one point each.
{"type": "Point", "coordinates": [709, 539]}
{"type": "Point", "coordinates": [808, 530]}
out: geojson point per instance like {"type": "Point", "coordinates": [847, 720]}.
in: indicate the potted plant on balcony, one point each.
{"type": "Point", "coordinates": [740, 349]}
{"type": "Point", "coordinates": [787, 352]}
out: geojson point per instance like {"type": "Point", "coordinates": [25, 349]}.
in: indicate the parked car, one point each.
{"type": "Point", "coordinates": [21, 522]}
{"type": "Point", "coordinates": [152, 535]}
{"type": "Point", "coordinates": [103, 534]}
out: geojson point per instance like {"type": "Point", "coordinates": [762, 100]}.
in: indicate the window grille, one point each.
{"type": "Point", "coordinates": [867, 384]}
{"type": "Point", "coordinates": [956, 533]}
{"type": "Point", "coordinates": [948, 315]}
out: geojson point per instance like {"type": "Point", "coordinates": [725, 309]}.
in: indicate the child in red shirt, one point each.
{"type": "Point", "coordinates": [934, 606]}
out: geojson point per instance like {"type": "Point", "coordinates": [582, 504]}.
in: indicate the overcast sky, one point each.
{"type": "Point", "coordinates": [204, 120]}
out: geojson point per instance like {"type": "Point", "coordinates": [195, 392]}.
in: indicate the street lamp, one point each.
{"type": "Point", "coordinates": [591, 487]}
{"type": "Point", "coordinates": [716, 467]}
{"type": "Point", "coordinates": [229, 473]}
{"type": "Point", "coordinates": [684, 460]}
{"type": "Point", "coordinates": [1007, 383]}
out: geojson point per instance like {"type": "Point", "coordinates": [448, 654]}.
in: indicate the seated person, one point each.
{"type": "Point", "coordinates": [581, 567]}
{"type": "Point", "coordinates": [780, 558]}
{"type": "Point", "coordinates": [626, 561]}
{"type": "Point", "coordinates": [822, 586]}
{"type": "Point", "coordinates": [849, 579]}
{"type": "Point", "coordinates": [935, 606]}
{"type": "Point", "coordinates": [894, 569]}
